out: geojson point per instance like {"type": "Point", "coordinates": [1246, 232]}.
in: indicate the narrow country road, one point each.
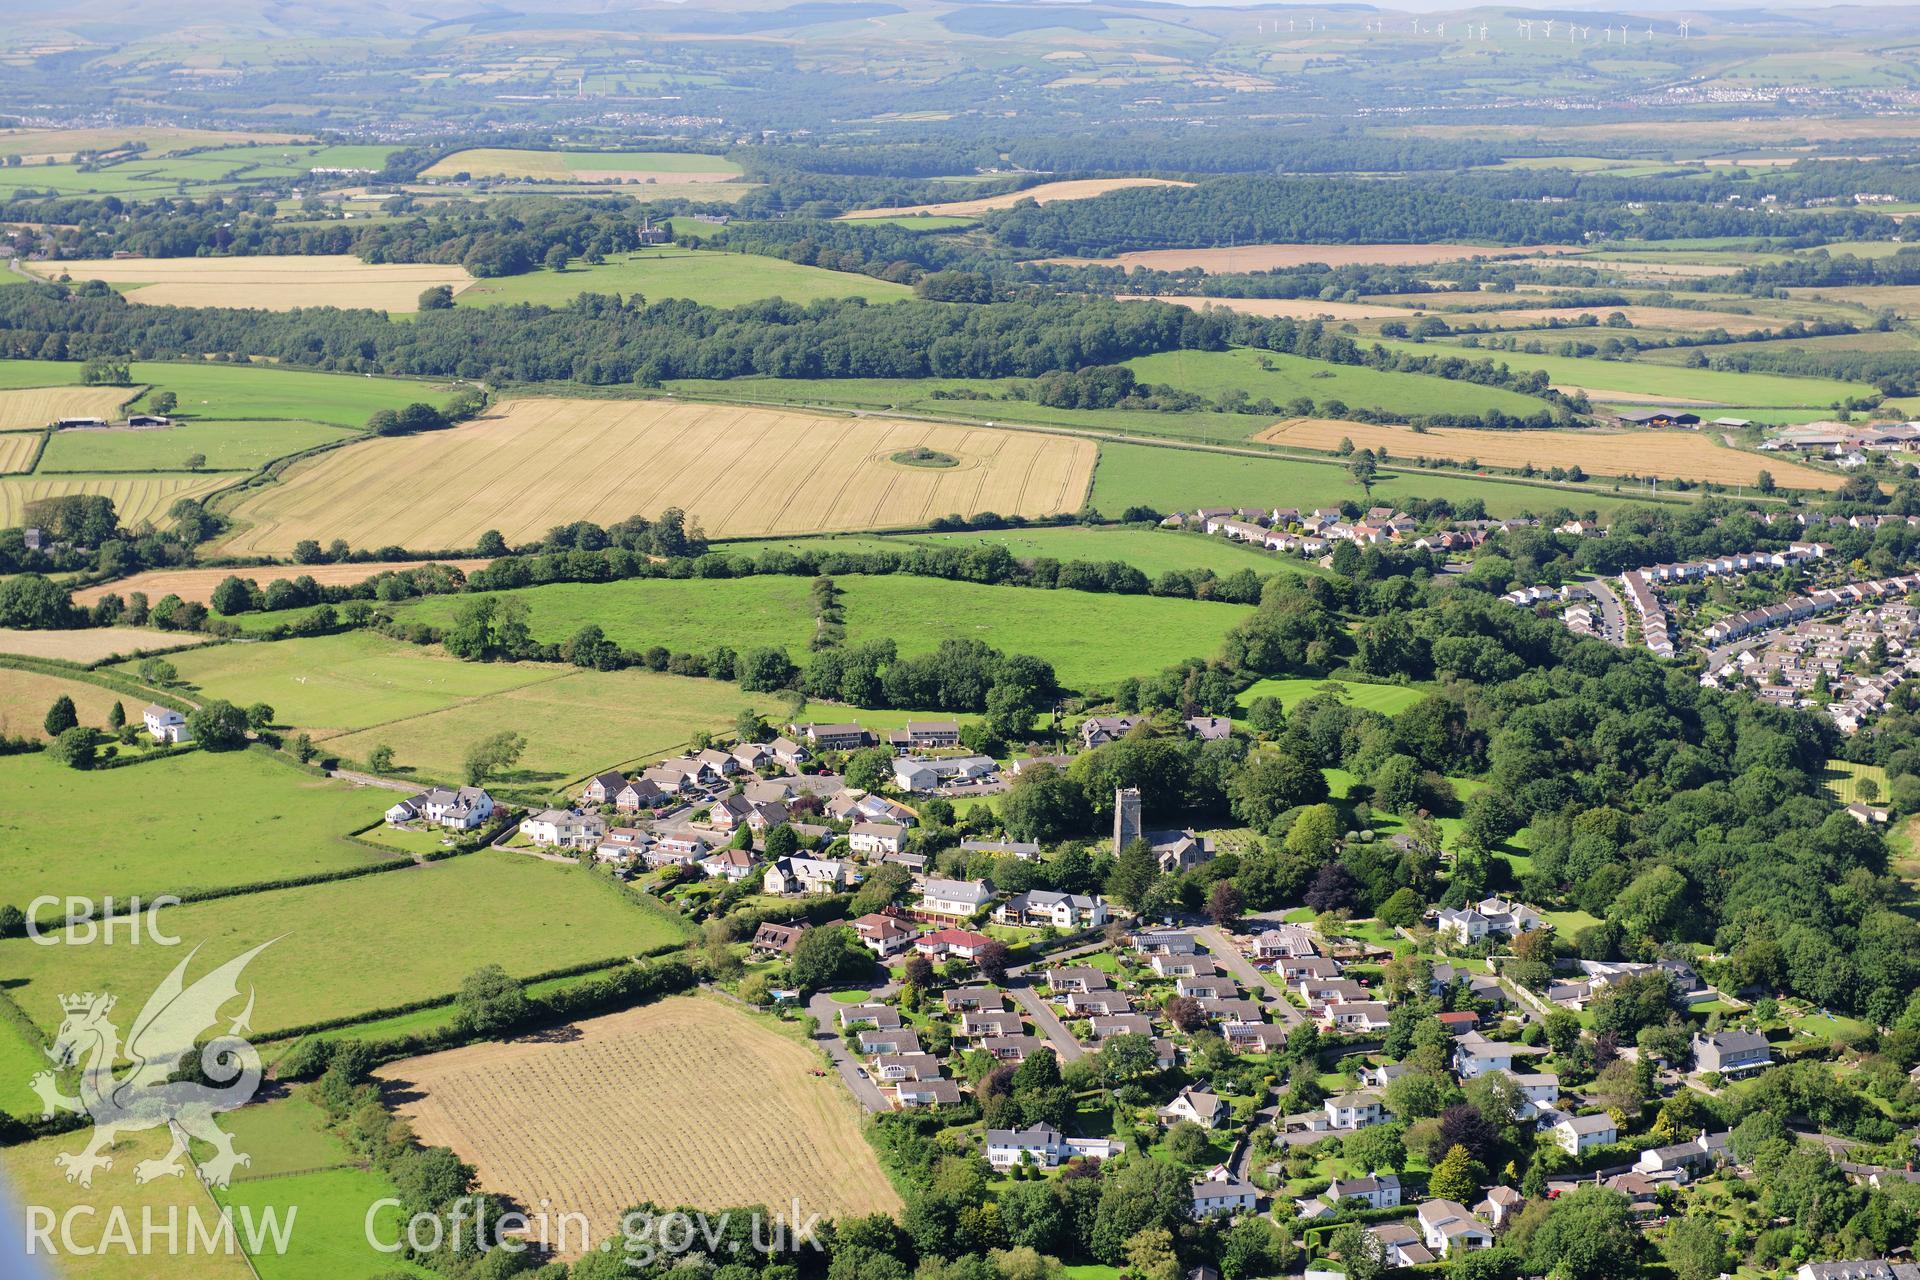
{"type": "Point", "coordinates": [1251, 978]}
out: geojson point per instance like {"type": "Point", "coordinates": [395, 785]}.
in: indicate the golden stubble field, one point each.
{"type": "Point", "coordinates": [25, 697]}
{"type": "Point", "coordinates": [684, 1101]}
{"type": "Point", "coordinates": [1670, 455]}
{"type": "Point", "coordinates": [30, 408]}
{"type": "Point", "coordinates": [137, 498]}
{"type": "Point", "coordinates": [198, 584]}
{"type": "Point", "coordinates": [1276, 308]}
{"type": "Point", "coordinates": [1044, 193]}
{"type": "Point", "coordinates": [92, 644]}
{"type": "Point", "coordinates": [266, 282]}
{"type": "Point", "coordinates": [736, 471]}
{"type": "Point", "coordinates": [18, 449]}
{"type": "Point", "coordinates": [1269, 257]}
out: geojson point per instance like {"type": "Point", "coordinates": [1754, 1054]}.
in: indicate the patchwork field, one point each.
{"type": "Point", "coordinates": [1172, 479]}
{"type": "Point", "coordinates": [35, 146]}
{"type": "Point", "coordinates": [30, 408]}
{"type": "Point", "coordinates": [17, 450]}
{"type": "Point", "coordinates": [533, 463]}
{"type": "Point", "coordinates": [1280, 378]}
{"type": "Point", "coordinates": [90, 644]}
{"type": "Point", "coordinates": [1044, 193]}
{"type": "Point", "coordinates": [1285, 308]}
{"type": "Point", "coordinates": [198, 584]}
{"type": "Point", "coordinates": [26, 695]}
{"type": "Point", "coordinates": [597, 1123]}
{"type": "Point", "coordinates": [265, 282]}
{"type": "Point", "coordinates": [1268, 257]}
{"type": "Point", "coordinates": [586, 166]}
{"type": "Point", "coordinates": [353, 946]}
{"type": "Point", "coordinates": [716, 279]}
{"type": "Point", "coordinates": [230, 392]}
{"type": "Point", "coordinates": [1681, 319]}
{"type": "Point", "coordinates": [136, 498]}
{"type": "Point", "coordinates": [1902, 299]}
{"type": "Point", "coordinates": [202, 820]}
{"type": "Point", "coordinates": [224, 446]}
{"type": "Point", "coordinates": [1670, 455]}
{"type": "Point", "coordinates": [1387, 699]}
{"type": "Point", "coordinates": [1152, 551]}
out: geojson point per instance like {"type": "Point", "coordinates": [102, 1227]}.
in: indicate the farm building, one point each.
{"type": "Point", "coordinates": [1659, 418]}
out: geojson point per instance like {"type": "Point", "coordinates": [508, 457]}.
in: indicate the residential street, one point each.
{"type": "Point", "coordinates": [1250, 977]}
{"type": "Point", "coordinates": [826, 1012]}
{"type": "Point", "coordinates": [1045, 1019]}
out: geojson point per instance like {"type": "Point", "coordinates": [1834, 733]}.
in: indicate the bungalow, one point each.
{"type": "Point", "coordinates": [890, 1040]}
{"type": "Point", "coordinates": [1401, 1244]}
{"type": "Point", "coordinates": [1224, 1195]}
{"type": "Point", "coordinates": [988, 1022]}
{"type": "Point", "coordinates": [602, 788]}
{"type": "Point", "coordinates": [972, 999]}
{"type": "Point", "coordinates": [953, 900]}
{"type": "Point", "coordinates": [1012, 1048]}
{"type": "Point", "coordinates": [1098, 1004]}
{"type": "Point", "coordinates": [1044, 907]}
{"type": "Point", "coordinates": [1232, 1009]}
{"type": "Point", "coordinates": [919, 773]}
{"type": "Point", "coordinates": [1166, 942]}
{"type": "Point", "coordinates": [1082, 980]}
{"type": "Point", "coordinates": [1284, 942]}
{"type": "Point", "coordinates": [1700, 1154]}
{"type": "Point", "coordinates": [1208, 1110]}
{"type": "Point", "coordinates": [1178, 966]}
{"type": "Point", "coordinates": [926, 1093]}
{"type": "Point", "coordinates": [1307, 967]}
{"type": "Point", "coordinates": [891, 1067]}
{"type": "Point", "coordinates": [733, 864]}
{"type": "Point", "coordinates": [1447, 1227]}
{"type": "Point", "coordinates": [807, 875]}
{"type": "Point", "coordinates": [564, 828]}
{"type": "Point", "coordinates": [1042, 1146]}
{"type": "Point", "coordinates": [677, 848]}
{"type": "Point", "coordinates": [1379, 1191]}
{"type": "Point", "coordinates": [751, 755]}
{"type": "Point", "coordinates": [788, 752]}
{"type": "Point", "coordinates": [1253, 1037]}
{"type": "Point", "coordinates": [881, 1016]}
{"type": "Point", "coordinates": [1355, 1110]}
{"type": "Point", "coordinates": [1580, 1134]}
{"type": "Point", "coordinates": [1731, 1052]}
{"type": "Point", "coordinates": [1107, 1026]}
{"type": "Point", "coordinates": [1356, 1016]}
{"type": "Point", "coordinates": [1208, 988]}
{"type": "Point", "coordinates": [623, 845]}
{"type": "Point", "coordinates": [1318, 991]}
{"type": "Point", "coordinates": [772, 939]}
{"type": "Point", "coordinates": [166, 724]}
{"type": "Point", "coordinates": [872, 838]}
{"type": "Point", "coordinates": [884, 935]}
{"type": "Point", "coordinates": [669, 781]}
{"type": "Point", "coordinates": [957, 943]}
{"type": "Point", "coordinates": [1474, 1054]}
{"type": "Point", "coordinates": [721, 762]}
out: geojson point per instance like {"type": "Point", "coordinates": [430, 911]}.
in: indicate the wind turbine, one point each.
{"type": "Point", "coordinates": [1440, 30]}
{"type": "Point", "coordinates": [1483, 31]}
{"type": "Point", "coordinates": [1550, 22]}
{"type": "Point", "coordinates": [1683, 28]}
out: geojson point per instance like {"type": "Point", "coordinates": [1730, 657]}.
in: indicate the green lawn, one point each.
{"type": "Point", "coordinates": [1843, 779]}
{"type": "Point", "coordinates": [1707, 385]}
{"type": "Point", "coordinates": [1152, 551]}
{"type": "Point", "coordinates": [197, 821]}
{"type": "Point", "coordinates": [716, 279]}
{"type": "Point", "coordinates": [226, 446]}
{"type": "Point", "coordinates": [354, 946]}
{"type": "Point", "coordinates": [1172, 479]}
{"type": "Point", "coordinates": [1387, 699]}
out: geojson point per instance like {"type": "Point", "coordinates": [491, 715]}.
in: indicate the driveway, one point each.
{"type": "Point", "coordinates": [1251, 978]}
{"type": "Point", "coordinates": [826, 1012]}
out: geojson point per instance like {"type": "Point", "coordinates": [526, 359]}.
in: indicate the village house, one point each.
{"type": "Point", "coordinates": [955, 943]}
{"type": "Point", "coordinates": [834, 737]}
{"type": "Point", "coordinates": [926, 1093]}
{"type": "Point", "coordinates": [1447, 1227]}
{"type": "Point", "coordinates": [1082, 980]}
{"type": "Point", "coordinates": [1098, 731]}
{"type": "Point", "coordinates": [1215, 1196]}
{"type": "Point", "coordinates": [884, 935]}
{"type": "Point", "coordinates": [564, 829]}
{"type": "Point", "coordinates": [1208, 1110]}
{"type": "Point", "coordinates": [1731, 1052]}
{"type": "Point", "coordinates": [773, 939]}
{"type": "Point", "coordinates": [1020, 849]}
{"type": "Point", "coordinates": [165, 724]}
{"type": "Point", "coordinates": [807, 875]}
{"type": "Point", "coordinates": [926, 735]}
{"type": "Point", "coordinates": [461, 810]}
{"type": "Point", "coordinates": [972, 999]}
{"type": "Point", "coordinates": [1378, 1191]}
{"type": "Point", "coordinates": [732, 865]}
{"type": "Point", "coordinates": [1579, 1134]}
{"type": "Point", "coordinates": [874, 838]}
{"type": "Point", "coordinates": [953, 901]}
{"type": "Point", "coordinates": [1355, 1110]}
{"type": "Point", "coordinates": [1043, 907]}
{"type": "Point", "coordinates": [602, 788]}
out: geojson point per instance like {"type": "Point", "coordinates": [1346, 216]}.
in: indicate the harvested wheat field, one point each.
{"type": "Point", "coordinates": [198, 584]}
{"type": "Point", "coordinates": [586, 166]}
{"type": "Point", "coordinates": [18, 449]}
{"type": "Point", "coordinates": [1278, 308]}
{"type": "Point", "coordinates": [267, 282]}
{"type": "Point", "coordinates": [1045, 193]}
{"type": "Point", "coordinates": [736, 471]}
{"type": "Point", "coordinates": [25, 697]}
{"type": "Point", "coordinates": [1670, 455]}
{"type": "Point", "coordinates": [684, 1101]}
{"type": "Point", "coordinates": [30, 408]}
{"type": "Point", "coordinates": [136, 498]}
{"type": "Point", "coordinates": [1681, 319]}
{"type": "Point", "coordinates": [91, 644]}
{"type": "Point", "coordinates": [1268, 257]}
{"type": "Point", "coordinates": [1902, 299]}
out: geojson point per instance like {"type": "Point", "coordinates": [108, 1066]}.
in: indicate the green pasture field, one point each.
{"type": "Point", "coordinates": [252, 392]}
{"type": "Point", "coordinates": [353, 946]}
{"type": "Point", "coordinates": [1074, 630]}
{"type": "Point", "coordinates": [329, 1240]}
{"type": "Point", "coordinates": [202, 820]}
{"type": "Point", "coordinates": [1173, 479]}
{"type": "Point", "coordinates": [716, 279]}
{"type": "Point", "coordinates": [15, 374]}
{"type": "Point", "coordinates": [286, 1135]}
{"type": "Point", "coordinates": [1152, 551]}
{"type": "Point", "coordinates": [1708, 386]}
{"type": "Point", "coordinates": [923, 221]}
{"type": "Point", "coordinates": [1212, 373]}
{"type": "Point", "coordinates": [226, 446]}
{"type": "Point", "coordinates": [20, 1059]}
{"type": "Point", "coordinates": [1387, 699]}
{"type": "Point", "coordinates": [692, 615]}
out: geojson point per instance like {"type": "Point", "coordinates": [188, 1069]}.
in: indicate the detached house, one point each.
{"type": "Point", "coordinates": [1580, 1134]}
{"type": "Point", "coordinates": [732, 865]}
{"type": "Point", "coordinates": [1380, 1191]}
{"type": "Point", "coordinates": [1208, 1110]}
{"type": "Point", "coordinates": [1731, 1052]}
{"type": "Point", "coordinates": [1214, 1197]}
{"type": "Point", "coordinates": [461, 810]}
{"type": "Point", "coordinates": [952, 901]}
{"type": "Point", "coordinates": [884, 935]}
{"type": "Point", "coordinates": [1490, 917]}
{"type": "Point", "coordinates": [1355, 1110]}
{"type": "Point", "coordinates": [165, 724]}
{"type": "Point", "coordinates": [806, 875]}
{"type": "Point", "coordinates": [1045, 907]}
{"type": "Point", "coordinates": [1042, 1146]}
{"type": "Point", "coordinates": [958, 943]}
{"type": "Point", "coordinates": [603, 788]}
{"type": "Point", "coordinates": [876, 838]}
{"type": "Point", "coordinates": [565, 829]}
{"type": "Point", "coordinates": [1447, 1227]}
